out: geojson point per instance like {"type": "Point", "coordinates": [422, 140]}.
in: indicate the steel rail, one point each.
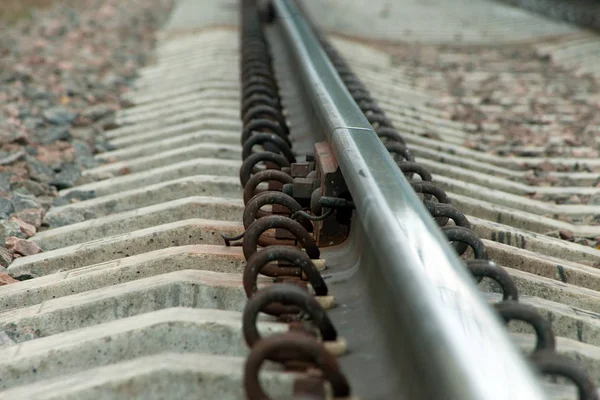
{"type": "Point", "coordinates": [442, 324]}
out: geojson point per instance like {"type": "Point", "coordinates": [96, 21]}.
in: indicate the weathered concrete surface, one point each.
{"type": "Point", "coordinates": [533, 285]}
{"type": "Point", "coordinates": [212, 96]}
{"type": "Point", "coordinates": [166, 375]}
{"type": "Point", "coordinates": [567, 321]}
{"type": "Point", "coordinates": [178, 170]}
{"type": "Point", "coordinates": [214, 258]}
{"type": "Point", "coordinates": [535, 242]}
{"type": "Point", "coordinates": [165, 158]}
{"type": "Point", "coordinates": [180, 233]}
{"type": "Point", "coordinates": [587, 354]}
{"type": "Point", "coordinates": [215, 208]}
{"type": "Point", "coordinates": [517, 218]}
{"type": "Point", "coordinates": [187, 288]}
{"type": "Point", "coordinates": [198, 185]}
{"type": "Point", "coordinates": [177, 330]}
{"type": "Point", "coordinates": [548, 267]}
{"type": "Point", "coordinates": [211, 120]}
{"type": "Point", "coordinates": [172, 143]}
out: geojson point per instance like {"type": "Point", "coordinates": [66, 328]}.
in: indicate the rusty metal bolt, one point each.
{"type": "Point", "coordinates": [550, 363]}
{"type": "Point", "coordinates": [401, 150]}
{"type": "Point", "coordinates": [258, 227]}
{"type": "Point", "coordinates": [388, 135]}
{"type": "Point", "coordinates": [447, 211]}
{"type": "Point", "coordinates": [410, 167]}
{"type": "Point", "coordinates": [263, 125]}
{"type": "Point", "coordinates": [512, 310]}
{"type": "Point", "coordinates": [488, 269]}
{"type": "Point", "coordinates": [264, 176]}
{"type": "Point", "coordinates": [465, 236]}
{"type": "Point", "coordinates": [291, 341]}
{"type": "Point", "coordinates": [299, 261]}
{"type": "Point", "coordinates": [430, 190]}
{"type": "Point", "coordinates": [249, 165]}
{"type": "Point", "coordinates": [271, 140]}
{"type": "Point", "coordinates": [266, 111]}
{"type": "Point", "coordinates": [258, 99]}
{"type": "Point", "coordinates": [285, 294]}
{"type": "Point", "coordinates": [253, 209]}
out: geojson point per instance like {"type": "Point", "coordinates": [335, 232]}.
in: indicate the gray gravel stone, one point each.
{"type": "Point", "coordinates": [53, 134]}
{"type": "Point", "coordinates": [46, 201]}
{"type": "Point", "coordinates": [59, 115]}
{"type": "Point", "coordinates": [32, 216]}
{"type": "Point", "coordinates": [80, 195]}
{"type": "Point", "coordinates": [5, 340]}
{"type": "Point", "coordinates": [32, 188]}
{"type": "Point", "coordinates": [31, 150]}
{"type": "Point", "coordinates": [4, 180]}
{"type": "Point", "coordinates": [5, 258]}
{"type": "Point", "coordinates": [84, 133]}
{"type": "Point", "coordinates": [104, 146]}
{"type": "Point", "coordinates": [9, 158]}
{"type": "Point", "coordinates": [82, 148]}
{"type": "Point", "coordinates": [85, 154]}
{"type": "Point", "coordinates": [62, 218]}
{"type": "Point", "coordinates": [39, 93]}
{"type": "Point", "coordinates": [9, 228]}
{"type": "Point", "coordinates": [60, 201]}
{"type": "Point", "coordinates": [23, 202]}
{"type": "Point", "coordinates": [33, 123]}
{"type": "Point", "coordinates": [54, 112]}
{"type": "Point", "coordinates": [112, 80]}
{"type": "Point", "coordinates": [594, 200]}
{"type": "Point", "coordinates": [6, 207]}
{"type": "Point", "coordinates": [98, 112]}
{"type": "Point", "coordinates": [66, 177]}
{"type": "Point", "coordinates": [38, 171]}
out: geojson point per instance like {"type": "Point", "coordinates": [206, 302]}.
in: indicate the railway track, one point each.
{"type": "Point", "coordinates": [136, 294]}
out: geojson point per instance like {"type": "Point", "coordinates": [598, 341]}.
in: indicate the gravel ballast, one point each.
{"type": "Point", "coordinates": [62, 76]}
